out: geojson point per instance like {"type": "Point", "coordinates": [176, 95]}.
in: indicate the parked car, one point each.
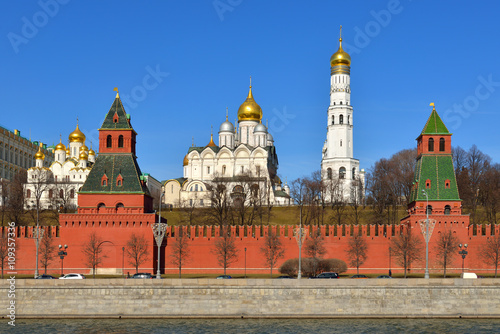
{"type": "Point", "coordinates": [142, 275]}
{"type": "Point", "coordinates": [224, 277]}
{"type": "Point", "coordinates": [359, 276]}
{"type": "Point", "coordinates": [384, 276]}
{"type": "Point", "coordinates": [284, 277]}
{"type": "Point", "coordinates": [72, 276]}
{"type": "Point", "coordinates": [327, 275]}
{"type": "Point", "coordinates": [45, 276]}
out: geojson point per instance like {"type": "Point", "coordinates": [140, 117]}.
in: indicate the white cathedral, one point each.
{"type": "Point", "coordinates": [245, 152]}
{"type": "Point", "coordinates": [340, 171]}
{"type": "Point", "coordinates": [58, 185]}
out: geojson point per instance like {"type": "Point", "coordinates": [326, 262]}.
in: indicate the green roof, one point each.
{"type": "Point", "coordinates": [123, 120]}
{"type": "Point", "coordinates": [437, 169]}
{"type": "Point", "coordinates": [112, 165]}
{"type": "Point", "coordinates": [435, 125]}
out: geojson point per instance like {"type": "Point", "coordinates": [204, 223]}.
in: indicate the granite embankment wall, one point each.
{"type": "Point", "coordinates": [266, 298]}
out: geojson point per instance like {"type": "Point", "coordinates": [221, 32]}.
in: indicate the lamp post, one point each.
{"type": "Point", "coordinates": [38, 233]}
{"type": "Point", "coordinates": [62, 253]}
{"type": "Point", "coordinates": [123, 261]}
{"type": "Point", "coordinates": [299, 236]}
{"type": "Point", "coordinates": [245, 262]}
{"type": "Point", "coordinates": [463, 252]}
{"type": "Point", "coordinates": [426, 236]}
{"type": "Point", "coordinates": [159, 230]}
{"type": "Point", "coordinates": [390, 253]}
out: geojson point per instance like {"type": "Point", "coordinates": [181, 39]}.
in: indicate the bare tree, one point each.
{"type": "Point", "coordinates": [225, 248]}
{"type": "Point", "coordinates": [180, 250]}
{"type": "Point", "coordinates": [272, 250]}
{"type": "Point", "coordinates": [4, 193]}
{"type": "Point", "coordinates": [219, 211]}
{"type": "Point", "coordinates": [446, 248]}
{"type": "Point", "coordinates": [298, 194]}
{"type": "Point", "coordinates": [137, 250]}
{"type": "Point", "coordinates": [6, 247]}
{"type": "Point", "coordinates": [189, 210]}
{"type": "Point", "coordinates": [490, 252]}
{"type": "Point", "coordinates": [93, 252]}
{"type": "Point", "coordinates": [15, 203]}
{"type": "Point", "coordinates": [357, 251]}
{"type": "Point", "coordinates": [490, 193]}
{"type": "Point", "coordinates": [407, 249]}
{"type": "Point", "coordinates": [63, 196]}
{"type": "Point", "coordinates": [47, 251]}
{"type": "Point", "coordinates": [357, 197]}
{"type": "Point", "coordinates": [315, 250]}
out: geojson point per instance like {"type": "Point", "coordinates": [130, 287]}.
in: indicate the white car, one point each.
{"type": "Point", "coordinates": [72, 276]}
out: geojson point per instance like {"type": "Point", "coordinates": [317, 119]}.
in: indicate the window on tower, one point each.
{"type": "Point", "coordinates": [353, 173]}
{"type": "Point", "coordinates": [447, 210]}
{"type": "Point", "coordinates": [348, 119]}
{"type": "Point", "coordinates": [329, 173]}
{"type": "Point", "coordinates": [441, 145]}
{"type": "Point", "coordinates": [340, 102]}
{"type": "Point", "coordinates": [431, 145]}
{"type": "Point", "coordinates": [120, 141]}
{"type": "Point", "coordinates": [341, 119]}
{"type": "Point", "coordinates": [342, 173]}
{"type": "Point", "coordinates": [108, 141]}
{"type": "Point", "coordinates": [333, 119]}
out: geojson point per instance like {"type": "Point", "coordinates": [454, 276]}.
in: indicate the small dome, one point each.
{"type": "Point", "coordinates": [249, 110]}
{"type": "Point", "coordinates": [60, 146]}
{"type": "Point", "coordinates": [186, 160]}
{"type": "Point", "coordinates": [91, 152]}
{"type": "Point", "coordinates": [260, 128]}
{"type": "Point", "coordinates": [270, 137]}
{"type": "Point", "coordinates": [77, 136]}
{"type": "Point", "coordinates": [84, 148]}
{"type": "Point", "coordinates": [39, 154]}
{"type": "Point", "coordinates": [340, 57]}
{"type": "Point", "coordinates": [211, 143]}
{"type": "Point", "coordinates": [83, 156]}
{"type": "Point", "coordinates": [68, 152]}
{"type": "Point", "coordinates": [226, 127]}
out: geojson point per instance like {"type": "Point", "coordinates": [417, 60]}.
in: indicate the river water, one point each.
{"type": "Point", "coordinates": [275, 326]}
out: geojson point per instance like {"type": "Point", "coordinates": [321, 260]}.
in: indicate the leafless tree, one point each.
{"type": "Point", "coordinates": [490, 193]}
{"type": "Point", "coordinates": [4, 193]}
{"type": "Point", "coordinates": [490, 252]}
{"type": "Point", "coordinates": [93, 252]}
{"type": "Point", "coordinates": [407, 248]}
{"type": "Point", "coordinates": [189, 210]}
{"type": "Point", "coordinates": [15, 203]}
{"type": "Point", "coordinates": [137, 250]}
{"type": "Point", "coordinates": [477, 164]}
{"type": "Point", "coordinates": [47, 251]}
{"type": "Point", "coordinates": [225, 248]}
{"type": "Point", "coordinates": [404, 163]}
{"type": "Point", "coordinates": [357, 197]}
{"type": "Point", "coordinates": [315, 250]}
{"type": "Point", "coordinates": [446, 249]}
{"type": "Point", "coordinates": [180, 250]}
{"type": "Point", "coordinates": [6, 247]}
{"type": "Point", "coordinates": [298, 194]}
{"type": "Point", "coordinates": [272, 250]}
{"type": "Point", "coordinates": [357, 251]}
{"type": "Point", "coordinates": [63, 196]}
{"type": "Point", "coordinates": [219, 212]}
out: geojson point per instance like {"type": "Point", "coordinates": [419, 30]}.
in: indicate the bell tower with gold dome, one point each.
{"type": "Point", "coordinates": [338, 159]}
{"type": "Point", "coordinates": [249, 116]}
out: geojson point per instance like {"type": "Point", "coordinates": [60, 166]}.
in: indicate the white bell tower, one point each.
{"type": "Point", "coordinates": [338, 159]}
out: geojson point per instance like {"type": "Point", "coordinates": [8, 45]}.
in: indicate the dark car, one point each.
{"type": "Point", "coordinates": [142, 275]}
{"type": "Point", "coordinates": [284, 277]}
{"type": "Point", "coordinates": [45, 276]}
{"type": "Point", "coordinates": [359, 276]}
{"type": "Point", "coordinates": [384, 276]}
{"type": "Point", "coordinates": [327, 275]}
{"type": "Point", "coordinates": [224, 277]}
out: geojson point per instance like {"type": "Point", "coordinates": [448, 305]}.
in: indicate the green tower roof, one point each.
{"type": "Point", "coordinates": [435, 125]}
{"type": "Point", "coordinates": [117, 109]}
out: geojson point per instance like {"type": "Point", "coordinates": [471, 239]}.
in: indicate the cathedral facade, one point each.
{"type": "Point", "coordinates": [244, 159]}
{"type": "Point", "coordinates": [58, 185]}
{"type": "Point", "coordinates": [340, 171]}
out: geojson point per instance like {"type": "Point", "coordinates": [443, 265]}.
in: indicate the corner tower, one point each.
{"type": "Point", "coordinates": [338, 159]}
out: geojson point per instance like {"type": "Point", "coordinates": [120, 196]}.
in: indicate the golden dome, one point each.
{"type": "Point", "coordinates": [77, 136]}
{"type": "Point", "coordinates": [39, 154]}
{"type": "Point", "coordinates": [83, 156]}
{"type": "Point", "coordinates": [91, 152]}
{"type": "Point", "coordinates": [249, 110]}
{"type": "Point", "coordinates": [340, 57]}
{"type": "Point", "coordinates": [68, 152]}
{"type": "Point", "coordinates": [186, 160]}
{"type": "Point", "coordinates": [84, 148]}
{"type": "Point", "coordinates": [211, 143]}
{"type": "Point", "coordinates": [60, 146]}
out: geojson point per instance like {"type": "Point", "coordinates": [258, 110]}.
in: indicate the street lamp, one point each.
{"type": "Point", "coordinates": [38, 234]}
{"type": "Point", "coordinates": [390, 253]}
{"type": "Point", "coordinates": [426, 236]}
{"type": "Point", "coordinates": [245, 262]}
{"type": "Point", "coordinates": [62, 253]}
{"type": "Point", "coordinates": [123, 261]}
{"type": "Point", "coordinates": [463, 252]}
{"type": "Point", "coordinates": [159, 230]}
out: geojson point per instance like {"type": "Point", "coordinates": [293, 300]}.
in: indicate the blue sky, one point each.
{"type": "Point", "coordinates": [183, 62]}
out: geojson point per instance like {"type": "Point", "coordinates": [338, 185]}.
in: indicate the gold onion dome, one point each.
{"type": "Point", "coordinates": [39, 154]}
{"type": "Point", "coordinates": [340, 57]}
{"type": "Point", "coordinates": [77, 136]}
{"type": "Point", "coordinates": [60, 146]}
{"type": "Point", "coordinates": [83, 155]}
{"type": "Point", "coordinates": [84, 148]}
{"type": "Point", "coordinates": [186, 160]}
{"type": "Point", "coordinates": [68, 152]}
{"type": "Point", "coordinates": [91, 152]}
{"type": "Point", "coordinates": [249, 110]}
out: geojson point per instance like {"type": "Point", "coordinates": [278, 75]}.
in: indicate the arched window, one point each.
{"type": "Point", "coordinates": [72, 193]}
{"type": "Point", "coordinates": [447, 210]}
{"type": "Point", "coordinates": [341, 119]}
{"type": "Point", "coordinates": [51, 193]}
{"type": "Point", "coordinates": [108, 141]}
{"type": "Point", "coordinates": [333, 119]}
{"type": "Point", "coordinates": [120, 207]}
{"type": "Point", "coordinates": [61, 193]}
{"type": "Point", "coordinates": [201, 188]}
{"type": "Point", "coordinates": [428, 184]}
{"type": "Point", "coordinates": [441, 144]}
{"type": "Point", "coordinates": [329, 173]}
{"type": "Point", "coordinates": [348, 119]}
{"type": "Point", "coordinates": [447, 184]}
{"type": "Point", "coordinates": [429, 209]}
{"type": "Point", "coordinates": [342, 173]}
{"type": "Point", "coordinates": [104, 182]}
{"type": "Point", "coordinates": [101, 207]}
{"type": "Point", "coordinates": [120, 141]}
{"type": "Point", "coordinates": [353, 173]}
{"type": "Point", "coordinates": [431, 144]}
{"type": "Point", "coordinates": [195, 187]}
{"type": "Point", "coordinates": [119, 183]}
{"type": "Point", "coordinates": [224, 170]}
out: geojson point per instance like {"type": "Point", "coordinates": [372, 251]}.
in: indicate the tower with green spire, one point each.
{"type": "Point", "coordinates": [434, 180]}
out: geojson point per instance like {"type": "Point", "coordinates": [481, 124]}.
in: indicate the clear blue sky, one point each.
{"type": "Point", "coordinates": [404, 54]}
